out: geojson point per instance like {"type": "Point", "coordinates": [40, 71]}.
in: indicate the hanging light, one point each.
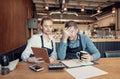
{"type": "Point", "coordinates": [113, 10]}
{"type": "Point", "coordinates": [65, 7]}
{"type": "Point", "coordinates": [82, 8]}
{"type": "Point", "coordinates": [46, 6]}
{"type": "Point", "coordinates": [98, 10]}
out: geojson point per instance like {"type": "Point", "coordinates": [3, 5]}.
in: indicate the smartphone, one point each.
{"type": "Point", "coordinates": [36, 67]}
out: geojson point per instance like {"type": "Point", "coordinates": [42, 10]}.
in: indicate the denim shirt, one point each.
{"type": "Point", "coordinates": [71, 51]}
{"type": "Point", "coordinates": [87, 45]}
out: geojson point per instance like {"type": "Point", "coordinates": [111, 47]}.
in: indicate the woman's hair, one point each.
{"type": "Point", "coordinates": [45, 18]}
{"type": "Point", "coordinates": [71, 24]}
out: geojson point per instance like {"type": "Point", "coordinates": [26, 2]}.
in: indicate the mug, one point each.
{"type": "Point", "coordinates": [81, 53]}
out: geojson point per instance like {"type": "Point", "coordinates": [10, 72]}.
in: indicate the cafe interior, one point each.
{"type": "Point", "coordinates": [98, 19]}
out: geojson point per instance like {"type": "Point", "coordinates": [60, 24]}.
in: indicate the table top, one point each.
{"type": "Point", "coordinates": [110, 65]}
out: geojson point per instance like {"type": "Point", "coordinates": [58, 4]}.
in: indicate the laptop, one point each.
{"type": "Point", "coordinates": [41, 52]}
{"type": "Point", "coordinates": [12, 65]}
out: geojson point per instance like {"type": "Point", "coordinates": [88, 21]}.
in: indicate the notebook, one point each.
{"type": "Point", "coordinates": [12, 65]}
{"type": "Point", "coordinates": [41, 52]}
{"type": "Point", "coordinates": [75, 63]}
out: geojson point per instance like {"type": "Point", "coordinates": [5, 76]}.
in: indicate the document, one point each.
{"type": "Point", "coordinates": [75, 63]}
{"type": "Point", "coordinates": [85, 72]}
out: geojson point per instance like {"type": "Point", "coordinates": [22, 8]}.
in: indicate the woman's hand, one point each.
{"type": "Point", "coordinates": [51, 59]}
{"type": "Point", "coordinates": [32, 59]}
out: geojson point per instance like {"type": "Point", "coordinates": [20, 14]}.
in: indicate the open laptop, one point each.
{"type": "Point", "coordinates": [41, 52]}
{"type": "Point", "coordinates": [12, 65]}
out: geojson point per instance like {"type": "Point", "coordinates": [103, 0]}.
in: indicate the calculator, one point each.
{"type": "Point", "coordinates": [54, 66]}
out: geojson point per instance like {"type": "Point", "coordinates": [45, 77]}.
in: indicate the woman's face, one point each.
{"type": "Point", "coordinates": [73, 34]}
{"type": "Point", "coordinates": [47, 27]}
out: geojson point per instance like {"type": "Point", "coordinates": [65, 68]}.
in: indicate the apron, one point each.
{"type": "Point", "coordinates": [71, 52]}
{"type": "Point", "coordinates": [48, 49]}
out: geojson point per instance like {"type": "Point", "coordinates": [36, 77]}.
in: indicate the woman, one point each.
{"type": "Point", "coordinates": [73, 42]}
{"type": "Point", "coordinates": [43, 40]}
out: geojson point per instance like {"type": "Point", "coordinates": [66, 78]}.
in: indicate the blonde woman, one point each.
{"type": "Point", "coordinates": [42, 40]}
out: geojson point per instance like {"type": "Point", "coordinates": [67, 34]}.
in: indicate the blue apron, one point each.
{"type": "Point", "coordinates": [71, 52]}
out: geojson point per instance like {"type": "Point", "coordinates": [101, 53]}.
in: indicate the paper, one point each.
{"type": "Point", "coordinates": [75, 63]}
{"type": "Point", "coordinates": [85, 72]}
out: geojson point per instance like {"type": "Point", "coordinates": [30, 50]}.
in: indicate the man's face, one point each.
{"type": "Point", "coordinates": [47, 27]}
{"type": "Point", "coordinates": [73, 33]}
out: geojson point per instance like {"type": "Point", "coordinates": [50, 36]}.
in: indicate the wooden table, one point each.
{"type": "Point", "coordinates": [111, 65]}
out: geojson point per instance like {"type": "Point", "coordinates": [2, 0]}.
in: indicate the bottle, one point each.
{"type": "Point", "coordinates": [4, 65]}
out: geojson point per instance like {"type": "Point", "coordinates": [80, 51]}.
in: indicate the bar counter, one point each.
{"type": "Point", "coordinates": [105, 40]}
{"type": "Point", "coordinates": [102, 44]}
{"type": "Point", "coordinates": [98, 40]}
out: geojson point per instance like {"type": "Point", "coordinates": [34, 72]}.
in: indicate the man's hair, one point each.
{"type": "Point", "coordinates": [45, 18]}
{"type": "Point", "coordinates": [71, 24]}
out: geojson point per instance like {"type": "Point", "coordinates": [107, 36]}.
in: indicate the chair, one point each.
{"type": "Point", "coordinates": [115, 53]}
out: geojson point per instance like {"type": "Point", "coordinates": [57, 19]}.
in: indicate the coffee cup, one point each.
{"type": "Point", "coordinates": [80, 54]}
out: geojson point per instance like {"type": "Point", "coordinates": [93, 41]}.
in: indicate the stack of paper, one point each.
{"type": "Point", "coordinates": [85, 72]}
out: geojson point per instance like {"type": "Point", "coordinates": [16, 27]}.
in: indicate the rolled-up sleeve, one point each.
{"type": "Point", "coordinates": [26, 53]}
{"type": "Point", "coordinates": [34, 41]}
{"type": "Point", "coordinates": [92, 48]}
{"type": "Point", "coordinates": [62, 50]}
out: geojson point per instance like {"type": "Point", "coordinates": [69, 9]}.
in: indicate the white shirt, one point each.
{"type": "Point", "coordinates": [35, 41]}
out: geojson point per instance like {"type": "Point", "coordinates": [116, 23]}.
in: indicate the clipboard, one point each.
{"type": "Point", "coordinates": [41, 52]}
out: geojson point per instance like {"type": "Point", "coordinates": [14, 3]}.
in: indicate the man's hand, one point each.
{"type": "Point", "coordinates": [87, 57]}
{"type": "Point", "coordinates": [66, 34]}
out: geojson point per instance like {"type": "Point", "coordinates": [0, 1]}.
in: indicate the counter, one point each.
{"type": "Point", "coordinates": [105, 40]}
{"type": "Point", "coordinates": [102, 45]}
{"type": "Point", "coordinates": [98, 40]}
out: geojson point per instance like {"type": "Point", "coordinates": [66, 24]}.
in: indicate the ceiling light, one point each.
{"type": "Point", "coordinates": [46, 6]}
{"type": "Point", "coordinates": [113, 10]}
{"type": "Point", "coordinates": [65, 7]}
{"type": "Point", "coordinates": [98, 10]}
{"type": "Point", "coordinates": [82, 8]}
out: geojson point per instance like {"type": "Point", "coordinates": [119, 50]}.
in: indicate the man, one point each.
{"type": "Point", "coordinates": [73, 42]}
